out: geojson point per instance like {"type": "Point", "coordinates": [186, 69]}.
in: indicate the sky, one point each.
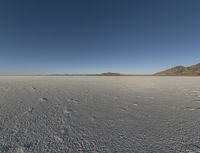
{"type": "Point", "coordinates": [95, 36]}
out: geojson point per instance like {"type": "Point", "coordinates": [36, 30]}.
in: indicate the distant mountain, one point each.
{"type": "Point", "coordinates": [109, 74]}
{"type": "Point", "coordinates": [101, 74]}
{"type": "Point", "coordinates": [193, 70]}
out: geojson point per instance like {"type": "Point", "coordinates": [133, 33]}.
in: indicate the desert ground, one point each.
{"type": "Point", "coordinates": [97, 114]}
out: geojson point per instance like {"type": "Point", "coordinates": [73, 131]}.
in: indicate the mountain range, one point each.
{"type": "Point", "coordinates": [193, 70]}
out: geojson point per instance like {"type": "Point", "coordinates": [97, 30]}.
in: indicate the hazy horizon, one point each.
{"type": "Point", "coordinates": [89, 37]}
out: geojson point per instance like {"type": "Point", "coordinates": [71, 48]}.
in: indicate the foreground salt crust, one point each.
{"type": "Point", "coordinates": [99, 114]}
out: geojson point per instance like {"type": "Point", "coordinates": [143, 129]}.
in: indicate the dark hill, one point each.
{"type": "Point", "coordinates": [110, 74]}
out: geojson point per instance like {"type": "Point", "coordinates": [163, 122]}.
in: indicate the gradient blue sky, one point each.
{"type": "Point", "coordinates": [94, 36]}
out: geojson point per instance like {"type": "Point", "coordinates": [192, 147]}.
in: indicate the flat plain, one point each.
{"type": "Point", "coordinates": [97, 114]}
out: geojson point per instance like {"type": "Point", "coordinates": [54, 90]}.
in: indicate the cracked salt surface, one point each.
{"type": "Point", "coordinates": [99, 114]}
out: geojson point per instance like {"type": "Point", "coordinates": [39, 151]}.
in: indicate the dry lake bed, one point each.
{"type": "Point", "coordinates": [47, 114]}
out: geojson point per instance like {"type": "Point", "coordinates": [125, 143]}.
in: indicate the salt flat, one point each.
{"type": "Point", "coordinates": [99, 114]}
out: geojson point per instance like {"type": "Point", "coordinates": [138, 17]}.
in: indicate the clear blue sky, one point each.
{"type": "Point", "coordinates": [94, 36]}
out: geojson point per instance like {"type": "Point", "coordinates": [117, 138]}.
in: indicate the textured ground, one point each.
{"type": "Point", "coordinates": [99, 114]}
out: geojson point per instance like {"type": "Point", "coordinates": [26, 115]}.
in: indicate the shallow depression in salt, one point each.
{"type": "Point", "coordinates": [44, 114]}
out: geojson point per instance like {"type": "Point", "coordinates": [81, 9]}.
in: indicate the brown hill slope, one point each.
{"type": "Point", "coordinates": [193, 70]}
